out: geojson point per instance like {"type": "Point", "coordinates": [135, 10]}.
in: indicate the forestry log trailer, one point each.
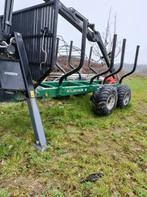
{"type": "Point", "coordinates": [28, 53]}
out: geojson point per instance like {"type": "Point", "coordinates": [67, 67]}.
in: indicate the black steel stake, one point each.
{"type": "Point", "coordinates": [121, 62]}
{"type": "Point", "coordinates": [112, 61]}
{"type": "Point", "coordinates": [134, 67]}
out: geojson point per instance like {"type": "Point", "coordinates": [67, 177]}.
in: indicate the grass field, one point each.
{"type": "Point", "coordinates": [79, 144]}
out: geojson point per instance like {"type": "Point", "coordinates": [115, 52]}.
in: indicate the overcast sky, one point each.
{"type": "Point", "coordinates": [131, 20]}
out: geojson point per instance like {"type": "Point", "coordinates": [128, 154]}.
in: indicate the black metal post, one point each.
{"type": "Point", "coordinates": [57, 47]}
{"type": "Point", "coordinates": [90, 55]}
{"type": "Point", "coordinates": [70, 52]}
{"type": "Point", "coordinates": [57, 51]}
{"type": "Point", "coordinates": [69, 59]}
{"type": "Point", "coordinates": [135, 65]}
{"type": "Point", "coordinates": [89, 60]}
{"type": "Point", "coordinates": [112, 61]}
{"type": "Point", "coordinates": [121, 62]}
{"type": "Point", "coordinates": [83, 48]}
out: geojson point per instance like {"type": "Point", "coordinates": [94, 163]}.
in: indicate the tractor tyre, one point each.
{"type": "Point", "coordinates": [104, 100]}
{"type": "Point", "coordinates": [124, 96]}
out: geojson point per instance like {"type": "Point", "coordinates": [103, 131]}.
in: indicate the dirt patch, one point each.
{"type": "Point", "coordinates": [27, 185]}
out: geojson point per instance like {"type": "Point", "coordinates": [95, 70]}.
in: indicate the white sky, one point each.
{"type": "Point", "coordinates": [131, 20]}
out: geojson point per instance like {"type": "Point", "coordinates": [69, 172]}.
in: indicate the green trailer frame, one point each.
{"type": "Point", "coordinates": [63, 87]}
{"type": "Point", "coordinates": [51, 89]}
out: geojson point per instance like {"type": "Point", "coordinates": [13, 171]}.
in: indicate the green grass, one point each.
{"type": "Point", "coordinates": [79, 144]}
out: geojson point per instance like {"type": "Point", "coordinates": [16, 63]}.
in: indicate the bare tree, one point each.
{"type": "Point", "coordinates": [107, 36]}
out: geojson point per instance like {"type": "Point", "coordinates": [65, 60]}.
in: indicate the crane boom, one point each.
{"type": "Point", "coordinates": [76, 19]}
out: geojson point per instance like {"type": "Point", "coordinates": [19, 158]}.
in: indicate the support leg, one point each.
{"type": "Point", "coordinates": [31, 100]}
{"type": "Point", "coordinates": [37, 124]}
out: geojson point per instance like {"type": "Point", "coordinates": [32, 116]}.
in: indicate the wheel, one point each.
{"type": "Point", "coordinates": [124, 96]}
{"type": "Point", "coordinates": [104, 100]}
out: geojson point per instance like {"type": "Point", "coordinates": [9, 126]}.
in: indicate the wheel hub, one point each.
{"type": "Point", "coordinates": [126, 98]}
{"type": "Point", "coordinates": [111, 102]}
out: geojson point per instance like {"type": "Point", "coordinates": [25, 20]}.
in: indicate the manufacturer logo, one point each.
{"type": "Point", "coordinates": [11, 73]}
